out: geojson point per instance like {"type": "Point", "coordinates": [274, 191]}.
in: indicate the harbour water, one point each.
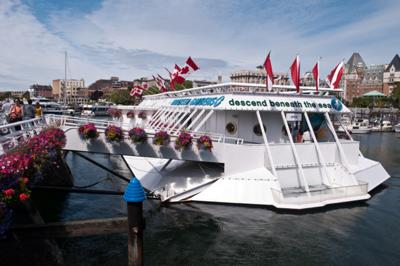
{"type": "Point", "coordinates": [364, 233]}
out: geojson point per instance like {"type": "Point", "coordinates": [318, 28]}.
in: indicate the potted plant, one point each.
{"type": "Point", "coordinates": [161, 138]}
{"type": "Point", "coordinates": [114, 133]}
{"type": "Point", "coordinates": [137, 135]}
{"type": "Point", "coordinates": [184, 140]}
{"type": "Point", "coordinates": [142, 115]}
{"type": "Point", "coordinates": [204, 143]}
{"type": "Point", "coordinates": [130, 114]}
{"type": "Point", "coordinates": [114, 113]}
{"type": "Point", "coordinates": [88, 131]}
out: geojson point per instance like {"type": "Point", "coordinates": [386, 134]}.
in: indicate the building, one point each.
{"type": "Point", "coordinates": [202, 83]}
{"type": "Point", "coordinates": [72, 87]}
{"type": "Point", "coordinates": [107, 86]}
{"type": "Point", "coordinates": [391, 76]}
{"type": "Point", "coordinates": [41, 91]}
{"type": "Point", "coordinates": [259, 76]}
{"type": "Point", "coordinates": [360, 78]}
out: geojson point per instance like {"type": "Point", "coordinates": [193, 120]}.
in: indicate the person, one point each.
{"type": "Point", "coordinates": [16, 113]}
{"type": "Point", "coordinates": [38, 110]}
{"type": "Point", "coordinates": [6, 109]}
{"type": "Point", "coordinates": [29, 110]}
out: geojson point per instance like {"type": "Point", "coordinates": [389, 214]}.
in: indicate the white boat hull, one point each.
{"type": "Point", "coordinates": [361, 131]}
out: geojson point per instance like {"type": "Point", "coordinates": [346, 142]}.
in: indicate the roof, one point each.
{"type": "Point", "coordinates": [395, 62]}
{"type": "Point", "coordinates": [354, 60]}
{"type": "Point", "coordinates": [373, 94]}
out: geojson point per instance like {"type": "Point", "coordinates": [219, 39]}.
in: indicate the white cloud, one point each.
{"type": "Point", "coordinates": [135, 38]}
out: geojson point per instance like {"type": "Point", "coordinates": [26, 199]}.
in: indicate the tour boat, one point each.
{"type": "Point", "coordinates": [272, 148]}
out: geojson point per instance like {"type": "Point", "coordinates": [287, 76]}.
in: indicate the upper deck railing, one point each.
{"type": "Point", "coordinates": [245, 88]}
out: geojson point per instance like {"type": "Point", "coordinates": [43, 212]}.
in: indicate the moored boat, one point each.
{"type": "Point", "coordinates": [269, 148]}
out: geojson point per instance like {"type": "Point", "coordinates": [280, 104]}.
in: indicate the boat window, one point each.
{"type": "Point", "coordinates": [231, 128]}
{"type": "Point", "coordinates": [257, 129]}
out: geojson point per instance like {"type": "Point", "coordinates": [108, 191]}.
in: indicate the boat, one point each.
{"type": "Point", "coordinates": [50, 107]}
{"type": "Point", "coordinates": [361, 126]}
{"type": "Point", "coordinates": [260, 154]}
{"type": "Point", "coordinates": [385, 126]}
{"type": "Point", "coordinates": [95, 110]}
{"type": "Point", "coordinates": [397, 128]}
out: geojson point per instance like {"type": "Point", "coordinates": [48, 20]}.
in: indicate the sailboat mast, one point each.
{"type": "Point", "coordinates": [65, 79]}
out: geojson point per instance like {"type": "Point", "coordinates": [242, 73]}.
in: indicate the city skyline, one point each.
{"type": "Point", "coordinates": [131, 39]}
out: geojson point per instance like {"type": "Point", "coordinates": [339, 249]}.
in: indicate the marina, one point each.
{"type": "Point", "coordinates": [198, 233]}
{"type": "Point", "coordinates": [336, 170]}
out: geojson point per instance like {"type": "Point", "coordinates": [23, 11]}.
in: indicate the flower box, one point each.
{"type": "Point", "coordinates": [130, 114]}
{"type": "Point", "coordinates": [161, 138]}
{"type": "Point", "coordinates": [88, 131]}
{"type": "Point", "coordinates": [204, 143]}
{"type": "Point", "coordinates": [114, 133]}
{"type": "Point", "coordinates": [137, 135]}
{"type": "Point", "coordinates": [184, 140]}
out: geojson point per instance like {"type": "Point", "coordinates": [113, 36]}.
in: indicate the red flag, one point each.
{"type": "Point", "coordinates": [295, 71]}
{"type": "Point", "coordinates": [336, 75]}
{"type": "Point", "coordinates": [139, 89]}
{"type": "Point", "coordinates": [191, 64]}
{"type": "Point", "coordinates": [185, 70]}
{"type": "Point", "coordinates": [177, 68]}
{"type": "Point", "coordinates": [315, 72]}
{"type": "Point", "coordinates": [160, 83]}
{"type": "Point", "coordinates": [268, 69]}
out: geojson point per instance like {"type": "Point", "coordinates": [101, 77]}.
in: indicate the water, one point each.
{"type": "Point", "coordinates": [365, 233]}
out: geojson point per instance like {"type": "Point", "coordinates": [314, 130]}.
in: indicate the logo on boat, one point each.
{"type": "Point", "coordinates": [209, 101]}
{"type": "Point", "coordinates": [336, 104]}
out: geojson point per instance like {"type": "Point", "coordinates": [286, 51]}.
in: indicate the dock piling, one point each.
{"type": "Point", "coordinates": [134, 196]}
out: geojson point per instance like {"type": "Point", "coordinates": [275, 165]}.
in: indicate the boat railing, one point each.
{"type": "Point", "coordinates": [70, 121]}
{"type": "Point", "coordinates": [236, 87]}
{"type": "Point", "coordinates": [320, 195]}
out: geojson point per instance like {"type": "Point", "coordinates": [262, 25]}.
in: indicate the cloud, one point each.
{"type": "Point", "coordinates": [131, 39]}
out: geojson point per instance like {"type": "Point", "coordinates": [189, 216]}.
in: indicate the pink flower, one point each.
{"type": "Point", "coordinates": [23, 196]}
{"type": "Point", "coordinates": [9, 192]}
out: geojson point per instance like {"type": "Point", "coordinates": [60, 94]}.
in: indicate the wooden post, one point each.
{"type": "Point", "coordinates": [134, 196]}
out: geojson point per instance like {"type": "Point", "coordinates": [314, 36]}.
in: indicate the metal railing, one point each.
{"type": "Point", "coordinates": [236, 87]}
{"type": "Point", "coordinates": [70, 121]}
{"type": "Point", "coordinates": [11, 134]}
{"type": "Point", "coordinates": [321, 195]}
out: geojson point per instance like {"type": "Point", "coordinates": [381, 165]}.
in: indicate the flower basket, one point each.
{"type": "Point", "coordinates": [88, 131]}
{"type": "Point", "coordinates": [184, 140]}
{"type": "Point", "coordinates": [115, 113]}
{"type": "Point", "coordinates": [137, 135]}
{"type": "Point", "coordinates": [130, 114]}
{"type": "Point", "coordinates": [204, 143]}
{"type": "Point", "coordinates": [24, 164]}
{"type": "Point", "coordinates": [114, 133]}
{"type": "Point", "coordinates": [142, 115]}
{"type": "Point", "coordinates": [161, 138]}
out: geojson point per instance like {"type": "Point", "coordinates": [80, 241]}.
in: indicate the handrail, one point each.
{"type": "Point", "coordinates": [102, 124]}
{"type": "Point", "coordinates": [231, 86]}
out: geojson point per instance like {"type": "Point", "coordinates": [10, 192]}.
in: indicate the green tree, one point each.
{"type": "Point", "coordinates": [122, 97]}
{"type": "Point", "coordinates": [26, 95]}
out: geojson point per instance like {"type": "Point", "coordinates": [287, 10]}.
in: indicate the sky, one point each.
{"type": "Point", "coordinates": [132, 39]}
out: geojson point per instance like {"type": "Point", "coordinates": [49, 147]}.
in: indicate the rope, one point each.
{"type": "Point", "coordinates": [92, 185]}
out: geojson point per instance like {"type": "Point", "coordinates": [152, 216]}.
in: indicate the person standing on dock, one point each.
{"type": "Point", "coordinates": [38, 110]}
{"type": "Point", "coordinates": [29, 110]}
